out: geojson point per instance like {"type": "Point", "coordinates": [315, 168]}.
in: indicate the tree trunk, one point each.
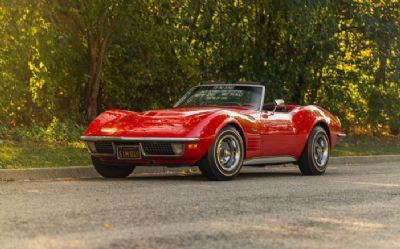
{"type": "Point", "coordinates": [94, 83]}
{"type": "Point", "coordinates": [96, 49]}
{"type": "Point", "coordinates": [298, 93]}
{"type": "Point", "coordinates": [380, 74]}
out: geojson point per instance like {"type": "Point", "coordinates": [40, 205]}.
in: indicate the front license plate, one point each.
{"type": "Point", "coordinates": [129, 152]}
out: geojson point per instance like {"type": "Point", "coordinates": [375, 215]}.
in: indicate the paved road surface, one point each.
{"type": "Point", "coordinates": [350, 207]}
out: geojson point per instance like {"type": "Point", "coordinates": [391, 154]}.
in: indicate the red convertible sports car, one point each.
{"type": "Point", "coordinates": [218, 127]}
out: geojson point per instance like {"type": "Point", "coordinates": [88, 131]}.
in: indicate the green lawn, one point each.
{"type": "Point", "coordinates": [14, 155]}
{"type": "Point", "coordinates": [367, 145]}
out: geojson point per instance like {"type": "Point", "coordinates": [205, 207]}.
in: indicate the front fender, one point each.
{"type": "Point", "coordinates": [210, 126]}
{"type": "Point", "coordinates": [97, 124]}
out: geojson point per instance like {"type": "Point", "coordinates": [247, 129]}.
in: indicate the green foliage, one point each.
{"type": "Point", "coordinates": [56, 131]}
{"type": "Point", "coordinates": [342, 55]}
{"type": "Point", "coordinates": [37, 155]}
{"type": "Point", "coordinates": [67, 131]}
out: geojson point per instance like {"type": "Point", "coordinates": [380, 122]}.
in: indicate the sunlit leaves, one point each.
{"type": "Point", "coordinates": [343, 55]}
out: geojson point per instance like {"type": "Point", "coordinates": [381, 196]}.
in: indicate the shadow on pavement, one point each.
{"type": "Point", "coordinates": [195, 176]}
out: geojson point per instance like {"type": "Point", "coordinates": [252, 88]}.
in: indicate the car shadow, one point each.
{"type": "Point", "coordinates": [195, 176]}
{"type": "Point", "coordinates": [275, 174]}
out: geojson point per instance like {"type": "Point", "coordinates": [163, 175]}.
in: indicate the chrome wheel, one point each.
{"type": "Point", "coordinates": [315, 156]}
{"type": "Point", "coordinates": [228, 153]}
{"type": "Point", "coordinates": [224, 157]}
{"type": "Point", "coordinates": [320, 150]}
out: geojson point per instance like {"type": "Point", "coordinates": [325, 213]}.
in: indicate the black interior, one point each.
{"type": "Point", "coordinates": [271, 106]}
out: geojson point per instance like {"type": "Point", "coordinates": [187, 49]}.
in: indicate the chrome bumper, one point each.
{"type": "Point", "coordinates": [114, 142]}
{"type": "Point", "coordinates": [139, 139]}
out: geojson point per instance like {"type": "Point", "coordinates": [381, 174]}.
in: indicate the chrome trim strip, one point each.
{"type": "Point", "coordinates": [341, 135]}
{"type": "Point", "coordinates": [262, 98]}
{"type": "Point", "coordinates": [139, 139]}
{"type": "Point", "coordinates": [270, 160]}
{"type": "Point", "coordinates": [87, 147]}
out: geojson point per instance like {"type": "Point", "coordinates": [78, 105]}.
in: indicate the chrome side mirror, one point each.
{"type": "Point", "coordinates": [278, 103]}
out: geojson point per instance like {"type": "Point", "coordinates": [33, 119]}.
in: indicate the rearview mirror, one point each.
{"type": "Point", "coordinates": [278, 103]}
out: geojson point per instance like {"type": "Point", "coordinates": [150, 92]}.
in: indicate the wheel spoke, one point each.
{"type": "Point", "coordinates": [321, 150]}
{"type": "Point", "coordinates": [321, 143]}
{"type": "Point", "coordinates": [228, 153]}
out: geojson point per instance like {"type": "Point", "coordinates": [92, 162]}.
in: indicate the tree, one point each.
{"type": "Point", "coordinates": [69, 59]}
{"type": "Point", "coordinates": [93, 22]}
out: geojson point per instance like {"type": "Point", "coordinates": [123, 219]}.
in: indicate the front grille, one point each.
{"type": "Point", "coordinates": [104, 147]}
{"type": "Point", "coordinates": [126, 143]}
{"type": "Point", "coordinates": [157, 148]}
{"type": "Point", "coordinates": [149, 148]}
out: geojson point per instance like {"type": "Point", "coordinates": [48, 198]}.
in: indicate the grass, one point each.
{"type": "Point", "coordinates": [14, 155]}
{"type": "Point", "coordinates": [367, 145]}
{"type": "Point", "coordinates": [18, 154]}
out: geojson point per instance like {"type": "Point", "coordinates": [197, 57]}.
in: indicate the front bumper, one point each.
{"type": "Point", "coordinates": [154, 150]}
{"type": "Point", "coordinates": [139, 139]}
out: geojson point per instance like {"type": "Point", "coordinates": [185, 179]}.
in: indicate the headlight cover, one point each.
{"type": "Point", "coordinates": [177, 148]}
{"type": "Point", "coordinates": [91, 147]}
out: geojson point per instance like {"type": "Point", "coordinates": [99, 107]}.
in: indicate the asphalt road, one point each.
{"type": "Point", "coordinates": [354, 206]}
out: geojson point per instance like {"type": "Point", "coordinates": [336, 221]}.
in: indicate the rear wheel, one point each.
{"type": "Point", "coordinates": [111, 170]}
{"type": "Point", "coordinates": [315, 157]}
{"type": "Point", "coordinates": [224, 158]}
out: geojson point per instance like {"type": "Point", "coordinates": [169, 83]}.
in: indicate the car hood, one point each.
{"type": "Point", "coordinates": [174, 122]}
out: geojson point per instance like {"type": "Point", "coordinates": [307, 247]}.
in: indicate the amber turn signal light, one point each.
{"type": "Point", "coordinates": [192, 146]}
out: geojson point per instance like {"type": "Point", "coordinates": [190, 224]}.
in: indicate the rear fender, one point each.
{"type": "Point", "coordinates": [327, 121]}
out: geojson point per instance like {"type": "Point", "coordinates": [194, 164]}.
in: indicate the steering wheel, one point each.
{"type": "Point", "coordinates": [231, 104]}
{"type": "Point", "coordinates": [248, 105]}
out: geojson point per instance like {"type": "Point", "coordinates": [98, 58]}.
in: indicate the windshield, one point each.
{"type": "Point", "coordinates": [223, 95]}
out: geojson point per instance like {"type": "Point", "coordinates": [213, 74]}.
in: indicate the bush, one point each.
{"type": "Point", "coordinates": [56, 131]}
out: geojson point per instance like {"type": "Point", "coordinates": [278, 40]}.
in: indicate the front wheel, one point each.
{"type": "Point", "coordinates": [112, 171]}
{"type": "Point", "coordinates": [314, 159]}
{"type": "Point", "coordinates": [224, 158]}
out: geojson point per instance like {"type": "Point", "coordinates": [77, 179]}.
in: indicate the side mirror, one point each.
{"type": "Point", "coordinates": [278, 103]}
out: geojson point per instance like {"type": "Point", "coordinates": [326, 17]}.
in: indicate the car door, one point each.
{"type": "Point", "coordinates": [277, 134]}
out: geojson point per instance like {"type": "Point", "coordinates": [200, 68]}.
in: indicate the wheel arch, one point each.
{"type": "Point", "coordinates": [214, 124]}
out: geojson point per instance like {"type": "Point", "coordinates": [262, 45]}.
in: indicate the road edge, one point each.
{"type": "Point", "coordinates": [81, 172]}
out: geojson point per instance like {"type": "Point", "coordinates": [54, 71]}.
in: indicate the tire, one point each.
{"type": "Point", "coordinates": [112, 171]}
{"type": "Point", "coordinates": [315, 156]}
{"type": "Point", "coordinates": [224, 158]}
